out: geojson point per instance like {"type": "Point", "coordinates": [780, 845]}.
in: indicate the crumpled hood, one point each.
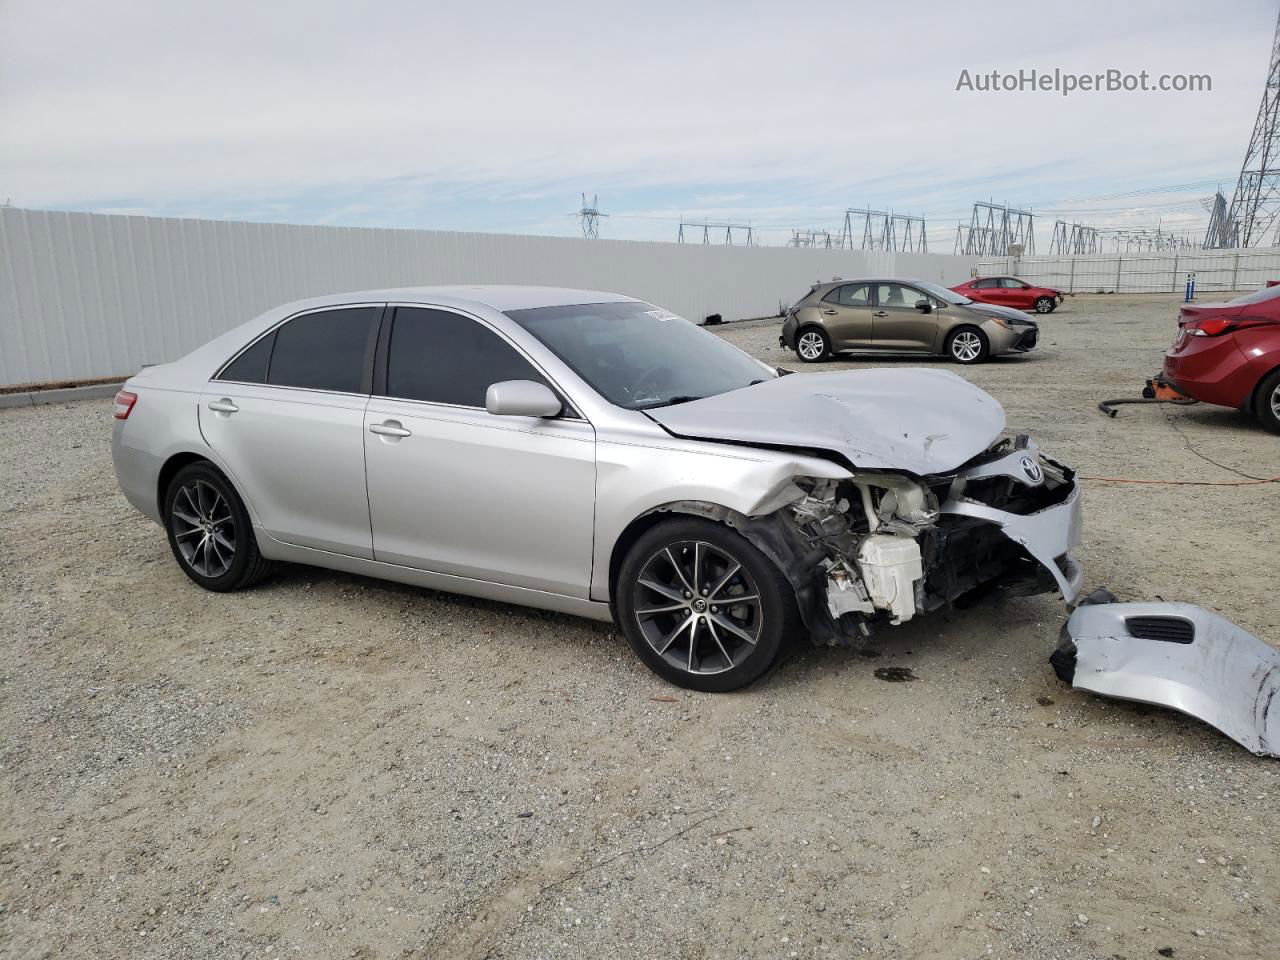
{"type": "Point", "coordinates": [918, 420]}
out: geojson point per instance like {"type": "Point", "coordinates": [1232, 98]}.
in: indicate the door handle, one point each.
{"type": "Point", "coordinates": [829, 313]}
{"type": "Point", "coordinates": [880, 313]}
{"type": "Point", "coordinates": [390, 428]}
{"type": "Point", "coordinates": [223, 406]}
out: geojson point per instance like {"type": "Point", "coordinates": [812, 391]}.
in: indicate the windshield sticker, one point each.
{"type": "Point", "coordinates": [663, 315]}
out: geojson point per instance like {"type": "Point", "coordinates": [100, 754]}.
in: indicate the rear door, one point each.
{"type": "Point", "coordinates": [286, 417]}
{"type": "Point", "coordinates": [986, 290]}
{"type": "Point", "coordinates": [847, 315]}
{"type": "Point", "coordinates": [899, 324]}
{"type": "Point", "coordinates": [454, 489]}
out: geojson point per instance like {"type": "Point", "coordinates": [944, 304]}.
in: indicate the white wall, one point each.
{"type": "Point", "coordinates": [1215, 270]}
{"type": "Point", "coordinates": [90, 295]}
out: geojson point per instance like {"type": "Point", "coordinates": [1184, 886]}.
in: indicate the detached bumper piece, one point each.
{"type": "Point", "coordinates": [1180, 656]}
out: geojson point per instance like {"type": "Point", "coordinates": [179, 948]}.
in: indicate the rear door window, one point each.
{"type": "Point", "coordinates": [850, 295]}
{"type": "Point", "coordinates": [326, 350]}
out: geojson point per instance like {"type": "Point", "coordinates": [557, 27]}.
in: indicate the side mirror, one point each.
{"type": "Point", "coordinates": [924, 306]}
{"type": "Point", "coordinates": [521, 398]}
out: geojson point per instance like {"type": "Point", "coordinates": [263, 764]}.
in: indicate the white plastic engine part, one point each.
{"type": "Point", "coordinates": [890, 567]}
{"type": "Point", "coordinates": [845, 593]}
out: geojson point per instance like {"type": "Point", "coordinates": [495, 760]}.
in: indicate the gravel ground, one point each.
{"type": "Point", "coordinates": [330, 766]}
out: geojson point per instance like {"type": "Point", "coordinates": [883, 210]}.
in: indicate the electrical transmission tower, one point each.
{"type": "Point", "coordinates": [1256, 202]}
{"type": "Point", "coordinates": [590, 216]}
{"type": "Point", "coordinates": [993, 228]}
{"type": "Point", "coordinates": [880, 230]}
{"type": "Point", "coordinates": [811, 238]}
{"type": "Point", "coordinates": [1069, 238]}
{"type": "Point", "coordinates": [1220, 235]}
{"type": "Point", "coordinates": [707, 228]}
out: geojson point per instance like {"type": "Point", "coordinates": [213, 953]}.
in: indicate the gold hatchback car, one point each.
{"type": "Point", "coordinates": [902, 316]}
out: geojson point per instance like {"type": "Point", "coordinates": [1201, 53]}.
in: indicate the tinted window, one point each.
{"type": "Point", "coordinates": [444, 357]}
{"type": "Point", "coordinates": [251, 365]}
{"type": "Point", "coordinates": [1011, 284]}
{"type": "Point", "coordinates": [985, 284]}
{"type": "Point", "coordinates": [329, 350]}
{"type": "Point", "coordinates": [850, 295]}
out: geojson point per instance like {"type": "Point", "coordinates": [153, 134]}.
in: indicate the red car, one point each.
{"type": "Point", "coordinates": [1011, 292]}
{"type": "Point", "coordinates": [1229, 354]}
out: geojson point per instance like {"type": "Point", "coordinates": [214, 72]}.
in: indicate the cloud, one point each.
{"type": "Point", "coordinates": [480, 108]}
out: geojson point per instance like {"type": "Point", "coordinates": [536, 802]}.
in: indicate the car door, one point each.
{"type": "Point", "coordinates": [986, 290]}
{"type": "Point", "coordinates": [456, 490]}
{"type": "Point", "coordinates": [1016, 293]}
{"type": "Point", "coordinates": [286, 418]}
{"type": "Point", "coordinates": [899, 324]}
{"type": "Point", "coordinates": [847, 316]}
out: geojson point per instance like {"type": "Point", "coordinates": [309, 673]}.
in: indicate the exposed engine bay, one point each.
{"type": "Point", "coordinates": [884, 547]}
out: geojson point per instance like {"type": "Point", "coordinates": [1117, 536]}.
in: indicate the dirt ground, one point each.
{"type": "Point", "coordinates": [328, 766]}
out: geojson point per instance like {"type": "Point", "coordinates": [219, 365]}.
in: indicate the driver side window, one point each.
{"type": "Point", "coordinates": [442, 357]}
{"type": "Point", "coordinates": [897, 295]}
{"type": "Point", "coordinates": [1011, 284]}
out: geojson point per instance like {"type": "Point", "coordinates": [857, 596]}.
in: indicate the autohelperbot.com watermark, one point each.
{"type": "Point", "coordinates": [1065, 82]}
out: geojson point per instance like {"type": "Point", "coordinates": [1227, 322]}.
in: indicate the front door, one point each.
{"type": "Point", "coordinates": [456, 490]}
{"type": "Point", "coordinates": [286, 417]}
{"type": "Point", "coordinates": [899, 324]}
{"type": "Point", "coordinates": [847, 315]}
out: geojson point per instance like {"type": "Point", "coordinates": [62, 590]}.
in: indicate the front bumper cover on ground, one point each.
{"type": "Point", "coordinates": [1181, 656]}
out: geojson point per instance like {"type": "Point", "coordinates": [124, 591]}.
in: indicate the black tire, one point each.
{"type": "Point", "coordinates": [1045, 305]}
{"type": "Point", "coordinates": [1267, 401]}
{"type": "Point", "coordinates": [821, 335]}
{"type": "Point", "coordinates": [723, 659]}
{"type": "Point", "coordinates": [209, 530]}
{"type": "Point", "coordinates": [961, 349]}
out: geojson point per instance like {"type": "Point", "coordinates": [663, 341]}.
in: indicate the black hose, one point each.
{"type": "Point", "coordinates": [1108, 406]}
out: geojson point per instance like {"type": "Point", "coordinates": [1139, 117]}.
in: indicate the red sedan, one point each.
{"type": "Point", "coordinates": [1229, 354]}
{"type": "Point", "coordinates": [1011, 292]}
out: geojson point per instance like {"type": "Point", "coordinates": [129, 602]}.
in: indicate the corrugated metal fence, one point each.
{"type": "Point", "coordinates": [90, 295]}
{"type": "Point", "coordinates": [1215, 271]}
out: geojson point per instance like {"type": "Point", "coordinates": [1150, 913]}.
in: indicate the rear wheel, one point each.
{"type": "Point", "coordinates": [702, 607]}
{"type": "Point", "coordinates": [210, 532]}
{"type": "Point", "coordinates": [967, 345]}
{"type": "Point", "coordinates": [1268, 403]}
{"type": "Point", "coordinates": [1045, 305]}
{"type": "Point", "coordinates": [813, 345]}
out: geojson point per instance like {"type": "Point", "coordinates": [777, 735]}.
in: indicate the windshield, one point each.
{"type": "Point", "coordinates": [1258, 296]}
{"type": "Point", "coordinates": [941, 292]}
{"type": "Point", "coordinates": [637, 355]}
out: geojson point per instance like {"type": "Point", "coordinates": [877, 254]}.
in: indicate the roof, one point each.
{"type": "Point", "coordinates": [500, 297]}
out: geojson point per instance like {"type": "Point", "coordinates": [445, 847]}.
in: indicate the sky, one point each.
{"type": "Point", "coordinates": [497, 116]}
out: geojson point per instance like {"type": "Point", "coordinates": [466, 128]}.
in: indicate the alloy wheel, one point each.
{"type": "Point", "coordinates": [1044, 305]}
{"type": "Point", "coordinates": [1275, 402]}
{"type": "Point", "coordinates": [203, 528]}
{"type": "Point", "coordinates": [966, 346]}
{"type": "Point", "coordinates": [698, 607]}
{"type": "Point", "coordinates": [810, 345]}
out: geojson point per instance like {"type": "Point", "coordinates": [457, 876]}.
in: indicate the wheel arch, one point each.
{"type": "Point", "coordinates": [646, 521]}
{"type": "Point", "coordinates": [183, 458]}
{"type": "Point", "coordinates": [1255, 395]}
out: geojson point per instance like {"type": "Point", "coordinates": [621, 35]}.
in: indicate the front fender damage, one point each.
{"type": "Point", "coordinates": [865, 547]}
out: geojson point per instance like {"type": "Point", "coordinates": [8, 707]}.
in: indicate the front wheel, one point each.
{"type": "Point", "coordinates": [210, 532]}
{"type": "Point", "coordinates": [1045, 305]}
{"type": "Point", "coordinates": [702, 607]}
{"type": "Point", "coordinates": [813, 345]}
{"type": "Point", "coordinates": [1268, 406]}
{"type": "Point", "coordinates": [967, 345]}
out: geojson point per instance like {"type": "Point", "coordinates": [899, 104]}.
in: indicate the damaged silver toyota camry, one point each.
{"type": "Point", "coordinates": [592, 454]}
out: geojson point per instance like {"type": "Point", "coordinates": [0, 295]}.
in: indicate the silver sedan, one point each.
{"type": "Point", "coordinates": [593, 454]}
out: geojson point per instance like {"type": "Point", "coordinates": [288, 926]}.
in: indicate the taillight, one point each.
{"type": "Point", "coordinates": [1216, 326]}
{"type": "Point", "coordinates": [124, 405]}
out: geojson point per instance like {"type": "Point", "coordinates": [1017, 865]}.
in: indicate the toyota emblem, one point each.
{"type": "Point", "coordinates": [1032, 470]}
